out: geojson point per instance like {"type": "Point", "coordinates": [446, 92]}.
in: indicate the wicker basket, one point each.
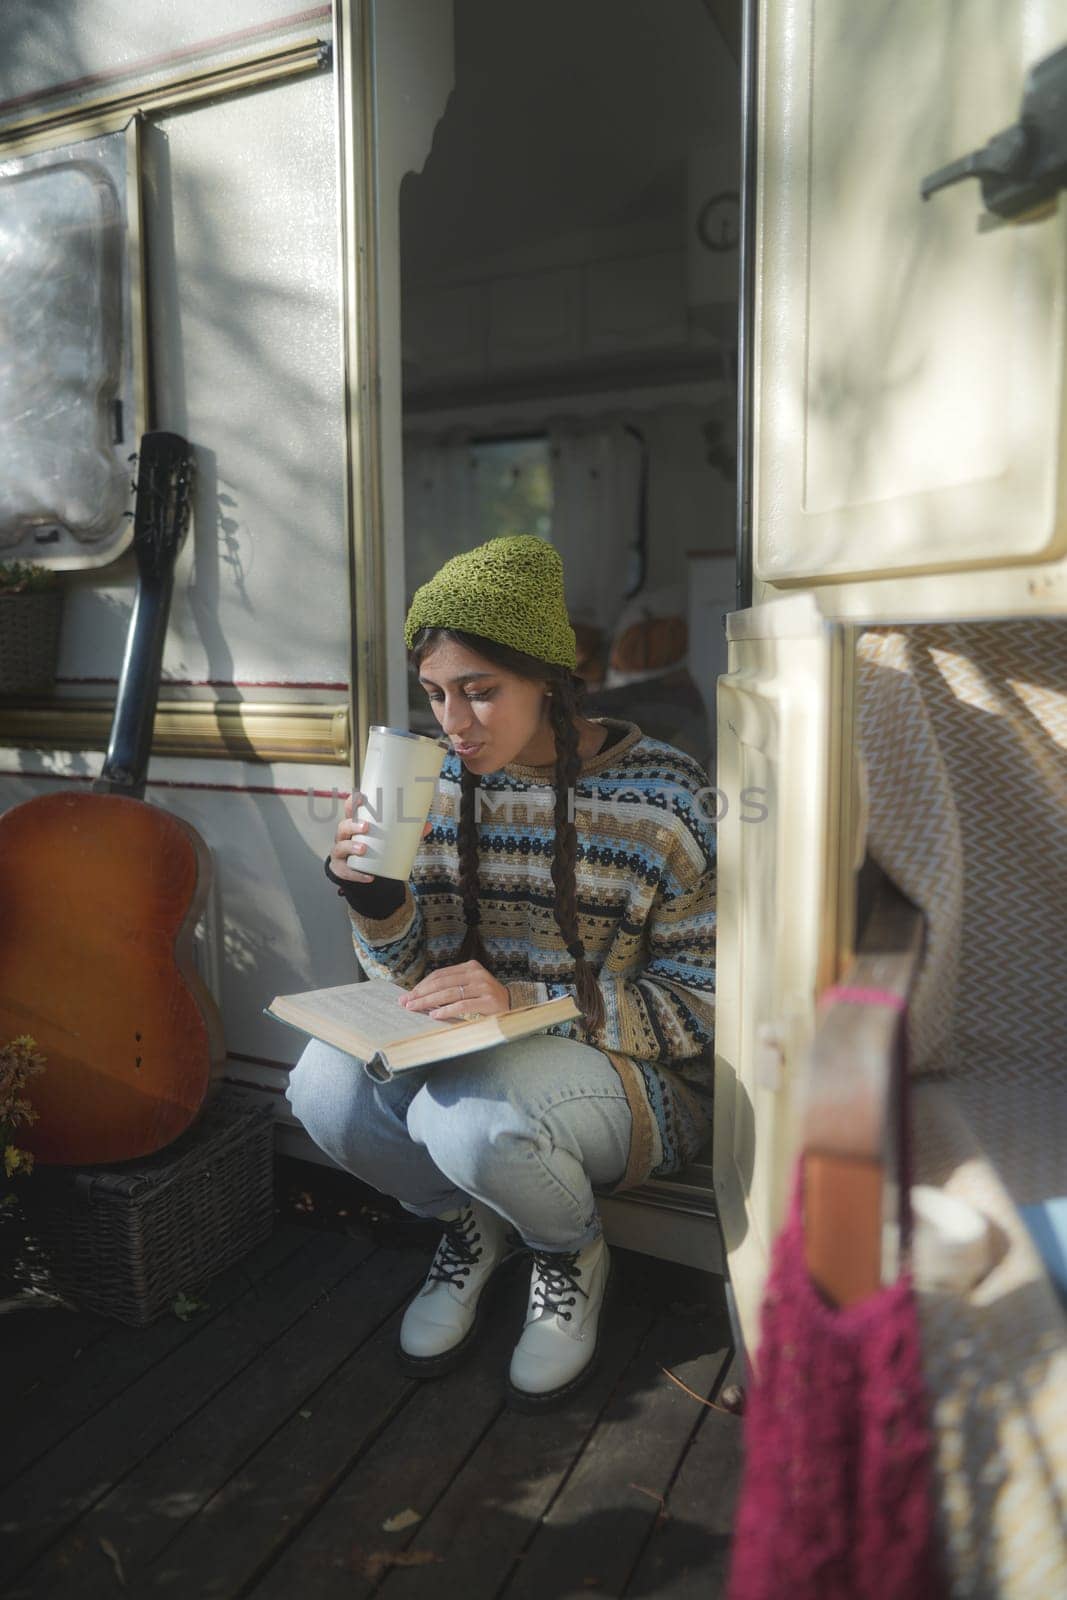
{"type": "Point", "coordinates": [29, 640]}
{"type": "Point", "coordinates": [123, 1241]}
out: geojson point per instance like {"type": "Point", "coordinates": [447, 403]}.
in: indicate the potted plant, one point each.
{"type": "Point", "coordinates": [19, 1062]}
{"type": "Point", "coordinates": [31, 604]}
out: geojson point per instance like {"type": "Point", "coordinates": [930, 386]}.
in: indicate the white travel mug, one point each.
{"type": "Point", "coordinates": [400, 772]}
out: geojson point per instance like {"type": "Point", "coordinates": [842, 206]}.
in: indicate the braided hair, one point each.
{"type": "Point", "coordinates": [565, 694]}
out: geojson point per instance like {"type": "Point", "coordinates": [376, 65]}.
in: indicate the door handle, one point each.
{"type": "Point", "coordinates": [1022, 168]}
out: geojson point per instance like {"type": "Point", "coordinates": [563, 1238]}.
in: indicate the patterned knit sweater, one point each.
{"type": "Point", "coordinates": [645, 879]}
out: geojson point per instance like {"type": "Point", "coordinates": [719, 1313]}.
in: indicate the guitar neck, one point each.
{"type": "Point", "coordinates": [126, 763]}
{"type": "Point", "coordinates": [164, 486]}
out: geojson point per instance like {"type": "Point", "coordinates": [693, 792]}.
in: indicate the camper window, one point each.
{"type": "Point", "coordinates": [67, 411]}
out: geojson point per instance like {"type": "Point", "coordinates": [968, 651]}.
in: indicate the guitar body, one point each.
{"type": "Point", "coordinates": [101, 895]}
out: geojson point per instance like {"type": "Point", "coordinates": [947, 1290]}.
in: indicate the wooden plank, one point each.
{"type": "Point", "coordinates": [67, 1481]}
{"type": "Point", "coordinates": [687, 1555]}
{"type": "Point", "coordinates": [38, 1336]}
{"type": "Point", "coordinates": [206, 1464]}
{"type": "Point", "coordinates": [314, 1501]}
{"type": "Point", "coordinates": [480, 1525]}
{"type": "Point", "coordinates": [592, 1535]}
{"type": "Point", "coordinates": [376, 1442]}
{"type": "Point", "coordinates": [110, 1362]}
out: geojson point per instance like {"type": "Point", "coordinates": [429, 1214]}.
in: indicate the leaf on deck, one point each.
{"type": "Point", "coordinates": [379, 1561]}
{"type": "Point", "coordinates": [186, 1306]}
{"type": "Point", "coordinates": [113, 1556]}
{"type": "Point", "coordinates": [402, 1520]}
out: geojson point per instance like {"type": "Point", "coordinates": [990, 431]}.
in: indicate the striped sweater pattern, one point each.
{"type": "Point", "coordinates": [645, 881]}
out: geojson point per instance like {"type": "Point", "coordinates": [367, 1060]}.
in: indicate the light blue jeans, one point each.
{"type": "Point", "coordinates": [527, 1128]}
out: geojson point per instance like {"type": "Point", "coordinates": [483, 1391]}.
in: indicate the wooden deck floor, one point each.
{"type": "Point", "coordinates": [259, 1447]}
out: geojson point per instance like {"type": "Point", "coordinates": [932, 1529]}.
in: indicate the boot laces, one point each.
{"type": "Point", "coordinates": [556, 1283]}
{"type": "Point", "coordinates": [456, 1253]}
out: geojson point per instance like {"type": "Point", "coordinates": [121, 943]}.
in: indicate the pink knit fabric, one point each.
{"type": "Point", "coordinates": [837, 1492]}
{"type": "Point", "coordinates": [861, 995]}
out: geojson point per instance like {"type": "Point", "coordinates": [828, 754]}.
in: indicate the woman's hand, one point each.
{"type": "Point", "coordinates": [453, 994]}
{"type": "Point", "coordinates": [347, 842]}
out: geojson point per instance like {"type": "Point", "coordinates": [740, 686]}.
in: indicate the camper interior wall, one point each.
{"type": "Point", "coordinates": [568, 265]}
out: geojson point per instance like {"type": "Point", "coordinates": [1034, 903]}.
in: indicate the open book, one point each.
{"type": "Point", "coordinates": [366, 1020]}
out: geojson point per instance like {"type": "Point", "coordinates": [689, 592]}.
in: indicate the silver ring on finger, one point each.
{"type": "Point", "coordinates": [461, 991]}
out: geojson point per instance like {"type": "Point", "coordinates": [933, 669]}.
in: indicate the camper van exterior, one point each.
{"type": "Point", "coordinates": [201, 218]}
{"type": "Point", "coordinates": [229, 182]}
{"type": "Point", "coordinates": [903, 461]}
{"type": "Point", "coordinates": [245, 164]}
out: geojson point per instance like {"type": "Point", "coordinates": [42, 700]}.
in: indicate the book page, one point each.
{"type": "Point", "coordinates": [496, 1028]}
{"type": "Point", "coordinates": [369, 1010]}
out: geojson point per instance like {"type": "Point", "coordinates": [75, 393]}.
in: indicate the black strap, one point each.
{"type": "Point", "coordinates": [377, 899]}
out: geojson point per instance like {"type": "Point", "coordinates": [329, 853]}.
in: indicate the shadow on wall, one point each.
{"type": "Point", "coordinates": [37, 47]}
{"type": "Point", "coordinates": [253, 941]}
{"type": "Point", "coordinates": [223, 307]}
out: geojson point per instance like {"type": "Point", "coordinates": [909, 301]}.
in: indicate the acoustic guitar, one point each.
{"type": "Point", "coordinates": [99, 895]}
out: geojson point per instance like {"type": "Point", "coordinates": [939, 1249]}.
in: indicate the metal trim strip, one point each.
{"type": "Point", "coordinates": [354, 76]}
{"type": "Point", "coordinates": [106, 115]}
{"type": "Point", "coordinates": [196, 730]}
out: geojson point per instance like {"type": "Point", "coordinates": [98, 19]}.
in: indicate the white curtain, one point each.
{"type": "Point", "coordinates": [440, 505]}
{"type": "Point", "coordinates": [596, 491]}
{"type": "Point", "coordinates": [596, 479]}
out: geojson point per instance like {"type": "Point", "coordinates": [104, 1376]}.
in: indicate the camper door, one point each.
{"type": "Point", "coordinates": [909, 464]}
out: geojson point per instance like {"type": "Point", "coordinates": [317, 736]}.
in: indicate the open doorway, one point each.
{"type": "Point", "coordinates": [569, 257]}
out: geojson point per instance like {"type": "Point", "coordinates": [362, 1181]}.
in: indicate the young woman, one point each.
{"type": "Point", "coordinates": [562, 855]}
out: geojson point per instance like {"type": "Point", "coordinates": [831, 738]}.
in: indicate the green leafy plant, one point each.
{"type": "Point", "coordinates": [20, 1061]}
{"type": "Point", "coordinates": [25, 577]}
{"type": "Point", "coordinates": [186, 1306]}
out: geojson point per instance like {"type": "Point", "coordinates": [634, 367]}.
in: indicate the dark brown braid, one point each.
{"type": "Point", "coordinates": [566, 690]}
{"type": "Point", "coordinates": [563, 708]}
{"type": "Point", "coordinates": [472, 948]}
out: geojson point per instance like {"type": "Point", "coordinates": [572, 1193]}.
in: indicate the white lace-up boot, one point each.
{"type": "Point", "coordinates": [560, 1341]}
{"type": "Point", "coordinates": [441, 1324]}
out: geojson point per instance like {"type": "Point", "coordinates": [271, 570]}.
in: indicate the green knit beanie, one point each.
{"type": "Point", "coordinates": [509, 590]}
